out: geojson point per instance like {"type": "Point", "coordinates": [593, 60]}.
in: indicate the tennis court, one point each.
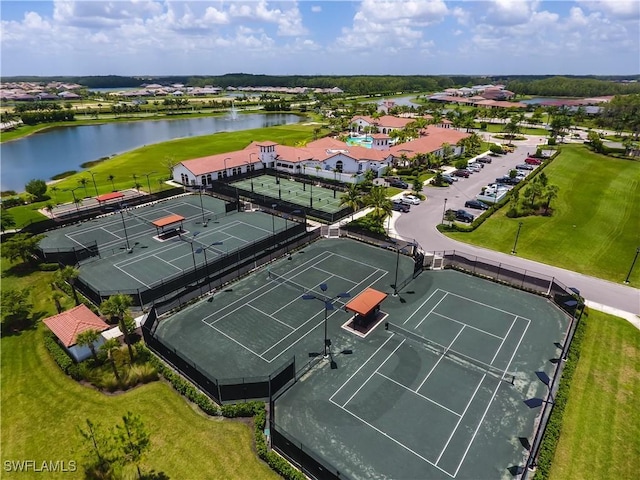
{"type": "Point", "coordinates": [135, 254]}
{"type": "Point", "coordinates": [262, 321]}
{"type": "Point", "coordinates": [439, 394]}
{"type": "Point", "coordinates": [287, 189]}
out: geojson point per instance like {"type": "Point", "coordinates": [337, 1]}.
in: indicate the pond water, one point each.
{"type": "Point", "coordinates": [46, 154]}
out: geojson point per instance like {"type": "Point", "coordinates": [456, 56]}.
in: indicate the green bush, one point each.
{"type": "Point", "coordinates": [59, 355]}
{"type": "Point", "coordinates": [48, 267]}
{"type": "Point", "coordinates": [554, 426]}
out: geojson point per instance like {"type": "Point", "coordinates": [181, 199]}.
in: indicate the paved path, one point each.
{"type": "Point", "coordinates": [420, 224]}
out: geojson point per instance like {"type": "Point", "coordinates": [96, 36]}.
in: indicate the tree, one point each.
{"type": "Point", "coordinates": [37, 188]}
{"type": "Point", "coordinates": [105, 449]}
{"type": "Point", "coordinates": [595, 141]}
{"type": "Point", "coordinates": [21, 246]}
{"type": "Point", "coordinates": [352, 199]}
{"type": "Point", "coordinates": [549, 193]}
{"type": "Point", "coordinates": [495, 148]}
{"type": "Point", "coordinates": [111, 179]}
{"type": "Point", "coordinates": [83, 181]}
{"type": "Point", "coordinates": [382, 206]}
{"type": "Point", "coordinates": [109, 347]}
{"type": "Point", "coordinates": [69, 274]}
{"type": "Point", "coordinates": [6, 221]}
{"type": "Point", "coordinates": [16, 305]}
{"type": "Point", "coordinates": [417, 185]}
{"type": "Point", "coordinates": [134, 440]}
{"type": "Point", "coordinates": [117, 306]}
{"type": "Point", "coordinates": [88, 339]}
{"type": "Point", "coordinates": [56, 296]}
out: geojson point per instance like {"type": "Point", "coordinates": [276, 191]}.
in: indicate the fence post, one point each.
{"type": "Point", "coordinates": [550, 285]}
{"type": "Point", "coordinates": [140, 298]}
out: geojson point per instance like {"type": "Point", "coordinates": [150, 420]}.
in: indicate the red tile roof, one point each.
{"type": "Point", "coordinates": [67, 325]}
{"type": "Point", "coordinates": [431, 141]}
{"type": "Point", "coordinates": [216, 163]}
{"type": "Point", "coordinates": [164, 221]}
{"type": "Point", "coordinates": [366, 301]}
{"type": "Point", "coordinates": [109, 196]}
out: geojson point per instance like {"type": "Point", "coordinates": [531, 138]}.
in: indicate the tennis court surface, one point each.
{"type": "Point", "coordinates": [434, 391]}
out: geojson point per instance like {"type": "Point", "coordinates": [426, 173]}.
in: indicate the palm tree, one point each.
{"type": "Point", "coordinates": [109, 347]}
{"type": "Point", "coordinates": [88, 339]}
{"type": "Point", "coordinates": [78, 202]}
{"type": "Point", "coordinates": [54, 189]}
{"type": "Point", "coordinates": [382, 206]}
{"type": "Point", "coordinates": [56, 295]}
{"type": "Point", "coordinates": [352, 199]}
{"type": "Point", "coordinates": [117, 306]}
{"type": "Point", "coordinates": [83, 181]}
{"type": "Point", "coordinates": [69, 274]}
{"type": "Point", "coordinates": [111, 178]}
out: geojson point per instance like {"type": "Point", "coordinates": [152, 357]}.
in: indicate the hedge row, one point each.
{"type": "Point", "coordinates": [64, 361]}
{"type": "Point", "coordinates": [554, 426]}
{"type": "Point", "coordinates": [256, 410]}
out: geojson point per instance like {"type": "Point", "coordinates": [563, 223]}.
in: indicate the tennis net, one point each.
{"type": "Point", "coordinates": [457, 357]}
{"type": "Point", "coordinates": [140, 219]}
{"type": "Point", "coordinates": [286, 281]}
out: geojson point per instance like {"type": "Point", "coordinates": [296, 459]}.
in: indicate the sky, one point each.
{"type": "Point", "coordinates": [367, 37]}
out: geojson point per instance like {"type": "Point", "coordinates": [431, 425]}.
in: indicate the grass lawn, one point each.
{"type": "Point", "coordinates": [601, 424]}
{"type": "Point", "coordinates": [595, 224]}
{"type": "Point", "coordinates": [153, 158]}
{"type": "Point", "coordinates": [42, 409]}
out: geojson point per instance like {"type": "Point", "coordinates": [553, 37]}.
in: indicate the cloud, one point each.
{"type": "Point", "coordinates": [316, 9]}
{"type": "Point", "coordinates": [619, 9]}
{"type": "Point", "coordinates": [289, 20]}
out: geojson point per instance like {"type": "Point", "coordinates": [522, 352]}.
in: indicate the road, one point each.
{"type": "Point", "coordinates": [598, 292]}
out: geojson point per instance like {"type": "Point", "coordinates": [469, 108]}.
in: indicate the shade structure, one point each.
{"type": "Point", "coordinates": [366, 302]}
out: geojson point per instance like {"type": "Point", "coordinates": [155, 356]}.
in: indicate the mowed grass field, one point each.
{"type": "Point", "coordinates": [595, 226]}
{"type": "Point", "coordinates": [600, 436]}
{"type": "Point", "coordinates": [42, 409]}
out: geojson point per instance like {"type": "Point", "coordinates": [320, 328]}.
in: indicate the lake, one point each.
{"type": "Point", "coordinates": [49, 153]}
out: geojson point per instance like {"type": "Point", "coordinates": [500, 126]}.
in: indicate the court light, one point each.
{"type": "Point", "coordinates": [328, 305]}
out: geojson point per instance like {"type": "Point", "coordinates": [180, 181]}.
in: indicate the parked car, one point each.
{"type": "Point", "coordinates": [461, 215]}
{"type": "Point", "coordinates": [532, 161]}
{"type": "Point", "coordinates": [477, 204]}
{"type": "Point", "coordinates": [400, 206]}
{"type": "Point", "coordinates": [474, 167]}
{"type": "Point", "coordinates": [461, 173]}
{"type": "Point", "coordinates": [449, 179]}
{"type": "Point", "coordinates": [394, 182]}
{"type": "Point", "coordinates": [508, 180]}
{"type": "Point", "coordinates": [524, 166]}
{"type": "Point", "coordinates": [410, 199]}
{"type": "Point", "coordinates": [484, 160]}
{"type": "Point", "coordinates": [475, 163]}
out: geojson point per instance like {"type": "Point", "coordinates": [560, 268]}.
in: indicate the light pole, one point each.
{"type": "Point", "coordinates": [203, 249]}
{"type": "Point", "coordinates": [204, 222]}
{"type": "Point", "coordinates": [249, 164]}
{"type": "Point", "coordinates": [75, 200]}
{"type": "Point", "coordinates": [328, 305]}
{"type": "Point", "coordinates": [632, 265]}
{"type": "Point", "coordinates": [444, 210]}
{"type": "Point", "coordinates": [93, 177]}
{"type": "Point", "coordinates": [124, 227]}
{"type": "Point", "coordinates": [148, 182]}
{"type": "Point", "coordinates": [515, 244]}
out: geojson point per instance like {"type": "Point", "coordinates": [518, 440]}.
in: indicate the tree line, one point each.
{"type": "Point", "coordinates": [571, 87]}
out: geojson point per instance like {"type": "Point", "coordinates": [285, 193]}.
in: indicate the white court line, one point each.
{"type": "Point", "coordinates": [374, 372]}
{"type": "Point", "coordinates": [430, 311]}
{"type": "Point", "coordinates": [132, 276]}
{"type": "Point", "coordinates": [168, 263]}
{"type": "Point", "coordinates": [358, 261]}
{"type": "Point", "coordinates": [111, 233]}
{"type": "Point", "coordinates": [360, 368]}
{"type": "Point", "coordinates": [74, 240]}
{"type": "Point", "coordinates": [470, 326]}
{"type": "Point", "coordinates": [421, 305]}
{"type": "Point", "coordinates": [333, 275]}
{"type": "Point", "coordinates": [464, 412]}
{"type": "Point", "coordinates": [503, 340]}
{"type": "Point", "coordinates": [442, 355]}
{"type": "Point", "coordinates": [419, 394]}
{"type": "Point", "coordinates": [490, 401]}
{"type": "Point", "coordinates": [269, 315]}
{"type": "Point", "coordinates": [318, 258]}
{"type": "Point", "coordinates": [384, 434]}
{"type": "Point", "coordinates": [485, 305]}
{"type": "Point", "coordinates": [235, 341]}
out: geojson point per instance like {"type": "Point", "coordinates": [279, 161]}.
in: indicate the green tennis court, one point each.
{"type": "Point", "coordinates": [132, 254]}
{"type": "Point", "coordinates": [284, 188]}
{"type": "Point", "coordinates": [437, 394]}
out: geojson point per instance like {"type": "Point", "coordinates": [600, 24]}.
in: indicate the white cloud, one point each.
{"type": "Point", "coordinates": [620, 9]}
{"type": "Point", "coordinates": [509, 12]}
{"type": "Point", "coordinates": [316, 9]}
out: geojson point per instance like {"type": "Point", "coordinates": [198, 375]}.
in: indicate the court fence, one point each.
{"type": "Point", "coordinates": [71, 255]}
{"type": "Point", "coordinates": [222, 390]}
{"type": "Point", "coordinates": [231, 191]}
{"type": "Point", "coordinates": [174, 292]}
{"type": "Point", "coordinates": [564, 297]}
{"type": "Point", "coordinates": [84, 214]}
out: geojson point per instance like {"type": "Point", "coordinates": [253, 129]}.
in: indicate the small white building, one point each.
{"type": "Point", "coordinates": [66, 326]}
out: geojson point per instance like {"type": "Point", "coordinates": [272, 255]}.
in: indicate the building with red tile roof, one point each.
{"type": "Point", "coordinates": [66, 326]}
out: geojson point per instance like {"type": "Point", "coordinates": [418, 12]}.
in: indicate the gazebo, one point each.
{"type": "Point", "coordinates": [107, 197]}
{"type": "Point", "coordinates": [366, 309]}
{"type": "Point", "coordinates": [168, 221]}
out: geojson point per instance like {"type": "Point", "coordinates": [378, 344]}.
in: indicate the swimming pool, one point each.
{"type": "Point", "coordinates": [360, 141]}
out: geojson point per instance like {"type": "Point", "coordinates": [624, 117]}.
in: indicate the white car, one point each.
{"type": "Point", "coordinates": [410, 199]}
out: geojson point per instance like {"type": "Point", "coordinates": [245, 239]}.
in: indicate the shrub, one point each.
{"type": "Point", "coordinates": [48, 267]}
{"type": "Point", "coordinates": [60, 356]}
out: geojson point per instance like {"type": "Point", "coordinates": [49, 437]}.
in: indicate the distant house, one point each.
{"type": "Point", "coordinates": [66, 326]}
